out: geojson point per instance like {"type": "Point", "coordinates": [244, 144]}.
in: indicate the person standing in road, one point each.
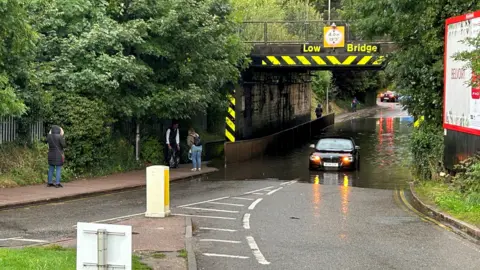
{"type": "Point", "coordinates": [173, 143]}
{"type": "Point", "coordinates": [195, 144]}
{"type": "Point", "coordinates": [319, 111]}
{"type": "Point", "coordinates": [56, 155]}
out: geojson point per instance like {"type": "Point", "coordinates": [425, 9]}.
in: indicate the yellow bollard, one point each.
{"type": "Point", "coordinates": [158, 191]}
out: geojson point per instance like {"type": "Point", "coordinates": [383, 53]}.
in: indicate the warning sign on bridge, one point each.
{"type": "Point", "coordinates": [334, 37]}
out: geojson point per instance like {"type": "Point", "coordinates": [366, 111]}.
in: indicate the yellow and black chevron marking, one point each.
{"type": "Point", "coordinates": [230, 119]}
{"type": "Point", "coordinates": [323, 60]}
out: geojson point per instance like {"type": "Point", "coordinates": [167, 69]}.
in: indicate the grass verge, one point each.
{"type": "Point", "coordinates": [450, 201]}
{"type": "Point", "coordinates": [46, 258]}
{"type": "Point", "coordinates": [182, 253]}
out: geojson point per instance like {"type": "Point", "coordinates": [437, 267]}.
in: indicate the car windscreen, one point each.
{"type": "Point", "coordinates": [334, 144]}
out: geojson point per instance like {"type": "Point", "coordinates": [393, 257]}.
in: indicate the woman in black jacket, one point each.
{"type": "Point", "coordinates": [56, 157]}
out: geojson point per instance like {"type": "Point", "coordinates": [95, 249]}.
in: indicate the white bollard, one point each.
{"type": "Point", "coordinates": [158, 191]}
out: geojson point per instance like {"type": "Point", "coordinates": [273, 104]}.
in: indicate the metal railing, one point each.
{"type": "Point", "coordinates": [9, 130]}
{"type": "Point", "coordinates": [293, 32]}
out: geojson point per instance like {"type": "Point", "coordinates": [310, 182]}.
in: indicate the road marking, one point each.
{"type": "Point", "coordinates": [256, 251]}
{"type": "Point", "coordinates": [250, 192]}
{"type": "Point", "coordinates": [24, 240]}
{"type": "Point", "coordinates": [225, 256]}
{"type": "Point", "coordinates": [217, 229]}
{"type": "Point", "coordinates": [289, 182]}
{"type": "Point", "coordinates": [252, 206]}
{"type": "Point", "coordinates": [115, 218]}
{"type": "Point", "coordinates": [273, 191]}
{"type": "Point", "coordinates": [240, 198]}
{"type": "Point", "coordinates": [246, 221]}
{"type": "Point", "coordinates": [421, 215]}
{"type": "Point", "coordinates": [261, 194]}
{"type": "Point", "coordinates": [212, 200]}
{"type": "Point", "coordinates": [214, 217]}
{"type": "Point", "coordinates": [231, 204]}
{"type": "Point", "coordinates": [211, 209]}
{"type": "Point", "coordinates": [219, 240]}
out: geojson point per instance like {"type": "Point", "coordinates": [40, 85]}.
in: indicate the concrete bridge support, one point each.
{"type": "Point", "coordinates": [272, 100]}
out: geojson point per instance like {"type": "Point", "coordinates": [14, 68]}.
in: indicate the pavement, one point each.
{"type": "Point", "coordinates": [157, 241]}
{"type": "Point", "coordinates": [18, 196]}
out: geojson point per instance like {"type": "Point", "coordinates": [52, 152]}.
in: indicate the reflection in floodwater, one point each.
{"type": "Point", "coordinates": [345, 193]}
{"type": "Point", "coordinates": [383, 158]}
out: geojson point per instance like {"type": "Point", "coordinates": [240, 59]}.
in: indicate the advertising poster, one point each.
{"type": "Point", "coordinates": [461, 99]}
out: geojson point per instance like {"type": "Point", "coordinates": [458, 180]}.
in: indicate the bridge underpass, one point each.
{"type": "Point", "coordinates": [275, 93]}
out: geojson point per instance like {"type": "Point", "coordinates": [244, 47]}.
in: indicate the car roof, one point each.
{"type": "Point", "coordinates": [336, 137]}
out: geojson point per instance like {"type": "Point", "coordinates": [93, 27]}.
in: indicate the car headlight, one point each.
{"type": "Point", "coordinates": [314, 158]}
{"type": "Point", "coordinates": [347, 159]}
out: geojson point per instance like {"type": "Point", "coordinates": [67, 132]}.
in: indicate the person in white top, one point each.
{"type": "Point", "coordinates": [172, 140]}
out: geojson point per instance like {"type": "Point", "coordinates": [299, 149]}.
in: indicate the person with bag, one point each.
{"type": "Point", "coordinates": [195, 144]}
{"type": "Point", "coordinates": [56, 155]}
{"type": "Point", "coordinates": [172, 139]}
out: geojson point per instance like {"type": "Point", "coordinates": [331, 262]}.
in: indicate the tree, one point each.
{"type": "Point", "coordinates": [417, 28]}
{"type": "Point", "coordinates": [16, 51]}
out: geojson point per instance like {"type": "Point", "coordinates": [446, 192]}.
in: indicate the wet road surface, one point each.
{"type": "Point", "coordinates": [305, 220]}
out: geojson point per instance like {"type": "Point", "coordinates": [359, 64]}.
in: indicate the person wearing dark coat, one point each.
{"type": "Point", "coordinates": [56, 156]}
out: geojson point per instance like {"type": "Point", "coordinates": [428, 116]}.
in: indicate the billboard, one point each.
{"type": "Point", "coordinates": [461, 106]}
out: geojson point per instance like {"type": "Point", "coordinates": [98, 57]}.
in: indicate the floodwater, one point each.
{"type": "Point", "coordinates": [383, 142]}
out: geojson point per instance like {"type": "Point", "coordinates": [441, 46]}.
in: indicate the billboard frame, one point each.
{"type": "Point", "coordinates": [452, 20]}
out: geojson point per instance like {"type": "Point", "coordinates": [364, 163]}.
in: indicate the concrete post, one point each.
{"type": "Point", "coordinates": [158, 191]}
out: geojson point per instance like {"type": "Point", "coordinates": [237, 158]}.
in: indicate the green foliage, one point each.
{"type": "Point", "coordinates": [426, 146]}
{"type": "Point", "coordinates": [16, 50]}
{"type": "Point", "coordinates": [321, 82]}
{"type": "Point", "coordinates": [467, 178]}
{"type": "Point", "coordinates": [21, 165]}
{"type": "Point", "coordinates": [417, 27]}
{"type": "Point", "coordinates": [46, 258]}
{"type": "Point", "coordinates": [152, 151]}
{"type": "Point", "coordinates": [465, 207]}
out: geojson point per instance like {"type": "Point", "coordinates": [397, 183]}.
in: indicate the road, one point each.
{"type": "Point", "coordinates": [275, 214]}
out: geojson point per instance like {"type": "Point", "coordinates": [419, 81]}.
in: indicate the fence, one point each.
{"type": "Point", "coordinates": [293, 32]}
{"type": "Point", "coordinates": [9, 130]}
{"type": "Point", "coordinates": [277, 143]}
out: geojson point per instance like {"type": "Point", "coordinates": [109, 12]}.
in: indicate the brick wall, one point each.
{"type": "Point", "coordinates": [271, 101]}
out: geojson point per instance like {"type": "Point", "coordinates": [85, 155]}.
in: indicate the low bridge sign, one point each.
{"type": "Point", "coordinates": [317, 56]}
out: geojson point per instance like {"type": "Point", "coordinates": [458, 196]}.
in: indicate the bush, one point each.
{"type": "Point", "coordinates": [467, 178]}
{"type": "Point", "coordinates": [22, 165]}
{"type": "Point", "coordinates": [426, 146]}
{"type": "Point", "coordinates": [152, 151]}
{"type": "Point", "coordinates": [116, 155]}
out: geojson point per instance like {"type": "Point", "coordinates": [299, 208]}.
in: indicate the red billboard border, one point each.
{"type": "Point", "coordinates": [449, 21]}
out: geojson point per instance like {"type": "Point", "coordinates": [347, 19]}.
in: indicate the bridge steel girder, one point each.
{"type": "Point", "coordinates": [291, 56]}
{"type": "Point", "coordinates": [320, 61]}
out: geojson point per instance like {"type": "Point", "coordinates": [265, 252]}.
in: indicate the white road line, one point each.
{"type": "Point", "coordinates": [219, 240]}
{"type": "Point", "coordinates": [214, 217]}
{"type": "Point", "coordinates": [250, 192]}
{"type": "Point", "coordinates": [273, 191]}
{"type": "Point", "coordinates": [258, 193]}
{"type": "Point", "coordinates": [289, 182]}
{"type": "Point", "coordinates": [254, 204]}
{"type": "Point", "coordinates": [240, 198]}
{"type": "Point", "coordinates": [230, 204]}
{"type": "Point", "coordinates": [115, 218]}
{"type": "Point", "coordinates": [225, 256]}
{"type": "Point", "coordinates": [212, 200]}
{"type": "Point", "coordinates": [24, 240]}
{"type": "Point", "coordinates": [256, 251]}
{"type": "Point", "coordinates": [217, 229]}
{"type": "Point", "coordinates": [246, 221]}
{"type": "Point", "coordinates": [211, 209]}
